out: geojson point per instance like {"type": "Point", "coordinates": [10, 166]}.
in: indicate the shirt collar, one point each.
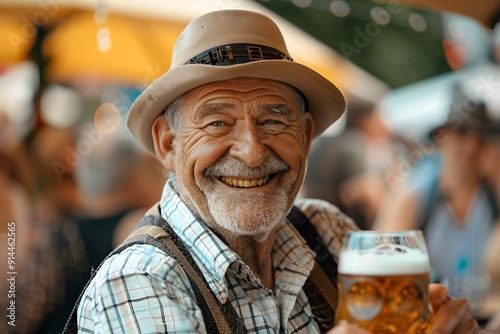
{"type": "Point", "coordinates": [210, 253]}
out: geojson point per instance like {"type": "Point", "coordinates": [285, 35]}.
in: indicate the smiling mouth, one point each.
{"type": "Point", "coordinates": [245, 183]}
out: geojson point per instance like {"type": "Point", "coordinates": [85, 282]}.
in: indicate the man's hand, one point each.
{"type": "Point", "coordinates": [451, 315]}
{"type": "Point", "coordinates": [347, 329]}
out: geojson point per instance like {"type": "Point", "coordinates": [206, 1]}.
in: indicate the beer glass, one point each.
{"type": "Point", "coordinates": [383, 282]}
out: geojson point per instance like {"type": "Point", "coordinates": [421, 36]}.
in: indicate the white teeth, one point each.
{"type": "Point", "coordinates": [245, 183]}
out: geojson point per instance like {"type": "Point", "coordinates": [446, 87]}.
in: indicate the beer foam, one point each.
{"type": "Point", "coordinates": [411, 261]}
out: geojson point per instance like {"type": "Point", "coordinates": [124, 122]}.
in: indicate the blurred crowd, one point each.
{"type": "Point", "coordinates": [446, 184]}
{"type": "Point", "coordinates": [61, 184]}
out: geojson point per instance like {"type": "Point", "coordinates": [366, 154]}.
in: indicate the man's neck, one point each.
{"type": "Point", "coordinates": [256, 252]}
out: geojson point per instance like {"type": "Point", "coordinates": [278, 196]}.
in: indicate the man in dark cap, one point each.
{"type": "Point", "coordinates": [449, 197]}
{"type": "Point", "coordinates": [349, 170]}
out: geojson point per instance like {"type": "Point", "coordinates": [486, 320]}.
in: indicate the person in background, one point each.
{"type": "Point", "coordinates": [116, 184]}
{"type": "Point", "coordinates": [55, 155]}
{"type": "Point", "coordinates": [349, 170]}
{"type": "Point", "coordinates": [99, 189]}
{"type": "Point", "coordinates": [490, 160]}
{"type": "Point", "coordinates": [113, 183]}
{"type": "Point", "coordinates": [232, 121]}
{"type": "Point", "coordinates": [150, 178]}
{"type": "Point", "coordinates": [448, 197]}
{"type": "Point", "coordinates": [448, 194]}
{"type": "Point", "coordinates": [58, 254]}
{"type": "Point", "coordinates": [17, 228]}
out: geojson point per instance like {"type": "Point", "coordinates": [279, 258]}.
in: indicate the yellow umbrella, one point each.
{"type": "Point", "coordinates": [17, 35]}
{"type": "Point", "coordinates": [121, 49]}
{"type": "Point", "coordinates": [79, 47]}
{"type": "Point", "coordinates": [133, 43]}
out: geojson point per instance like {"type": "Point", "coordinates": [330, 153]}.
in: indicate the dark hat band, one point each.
{"type": "Point", "coordinates": [231, 54]}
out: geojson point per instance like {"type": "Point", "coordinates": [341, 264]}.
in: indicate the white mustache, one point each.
{"type": "Point", "coordinates": [228, 166]}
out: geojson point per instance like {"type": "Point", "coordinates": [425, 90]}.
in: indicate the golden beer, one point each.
{"type": "Point", "coordinates": [384, 286]}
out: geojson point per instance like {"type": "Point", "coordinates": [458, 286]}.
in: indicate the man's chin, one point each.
{"type": "Point", "coordinates": [246, 225]}
{"type": "Point", "coordinates": [247, 217]}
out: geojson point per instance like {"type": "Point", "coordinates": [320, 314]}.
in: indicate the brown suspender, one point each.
{"type": "Point", "coordinates": [160, 233]}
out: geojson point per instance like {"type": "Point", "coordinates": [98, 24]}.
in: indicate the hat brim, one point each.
{"type": "Point", "coordinates": [480, 129]}
{"type": "Point", "coordinates": [325, 101]}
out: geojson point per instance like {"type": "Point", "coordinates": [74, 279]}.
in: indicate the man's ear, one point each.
{"type": "Point", "coordinates": [162, 139]}
{"type": "Point", "coordinates": [309, 129]}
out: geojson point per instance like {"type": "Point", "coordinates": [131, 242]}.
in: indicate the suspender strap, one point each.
{"type": "Point", "coordinates": [72, 325]}
{"type": "Point", "coordinates": [225, 319]}
{"type": "Point", "coordinates": [318, 292]}
{"type": "Point", "coordinates": [315, 242]}
{"type": "Point", "coordinates": [154, 231]}
{"type": "Point", "coordinates": [321, 287]}
{"type": "Point", "coordinates": [212, 315]}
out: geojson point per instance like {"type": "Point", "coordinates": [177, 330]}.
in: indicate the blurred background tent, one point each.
{"type": "Point", "coordinates": [115, 48]}
{"type": "Point", "coordinates": [368, 47]}
{"type": "Point", "coordinates": [411, 45]}
{"type": "Point", "coordinates": [77, 44]}
{"type": "Point", "coordinates": [121, 41]}
{"type": "Point", "coordinates": [487, 12]}
{"type": "Point", "coordinates": [397, 44]}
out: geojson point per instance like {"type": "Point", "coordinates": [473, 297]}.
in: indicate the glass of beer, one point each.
{"type": "Point", "coordinates": [383, 282]}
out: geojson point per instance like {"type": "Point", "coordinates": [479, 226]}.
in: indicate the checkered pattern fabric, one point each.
{"type": "Point", "coordinates": [141, 290]}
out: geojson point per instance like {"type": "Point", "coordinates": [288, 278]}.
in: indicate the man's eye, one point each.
{"type": "Point", "coordinates": [217, 127]}
{"type": "Point", "coordinates": [273, 126]}
{"type": "Point", "coordinates": [272, 122]}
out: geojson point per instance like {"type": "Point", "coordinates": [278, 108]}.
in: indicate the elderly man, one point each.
{"type": "Point", "coordinates": [232, 120]}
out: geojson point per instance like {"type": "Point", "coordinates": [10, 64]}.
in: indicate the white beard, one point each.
{"type": "Point", "coordinates": [250, 214]}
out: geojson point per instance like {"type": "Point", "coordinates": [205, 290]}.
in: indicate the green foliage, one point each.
{"type": "Point", "coordinates": [394, 52]}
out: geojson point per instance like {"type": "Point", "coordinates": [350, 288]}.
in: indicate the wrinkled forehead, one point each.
{"type": "Point", "coordinates": [245, 85]}
{"type": "Point", "coordinates": [246, 90]}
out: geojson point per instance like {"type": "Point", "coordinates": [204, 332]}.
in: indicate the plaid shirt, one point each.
{"type": "Point", "coordinates": [141, 290]}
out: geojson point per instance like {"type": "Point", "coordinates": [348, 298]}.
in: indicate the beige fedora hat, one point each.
{"type": "Point", "coordinates": [230, 44]}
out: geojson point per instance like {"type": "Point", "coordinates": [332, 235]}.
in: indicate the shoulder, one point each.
{"type": "Point", "coordinates": [323, 212]}
{"type": "Point", "coordinates": [329, 221]}
{"type": "Point", "coordinates": [425, 173]}
{"type": "Point", "coordinates": [142, 268]}
{"type": "Point", "coordinates": [141, 274]}
{"type": "Point", "coordinates": [140, 259]}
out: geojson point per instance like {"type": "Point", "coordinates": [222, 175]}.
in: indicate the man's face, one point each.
{"type": "Point", "coordinates": [490, 160]}
{"type": "Point", "coordinates": [240, 153]}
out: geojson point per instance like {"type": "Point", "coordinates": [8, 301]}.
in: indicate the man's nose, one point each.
{"type": "Point", "coordinates": [248, 145]}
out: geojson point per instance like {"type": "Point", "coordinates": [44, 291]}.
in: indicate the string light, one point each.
{"type": "Point", "coordinates": [103, 40]}
{"type": "Point", "coordinates": [380, 16]}
{"type": "Point", "coordinates": [103, 34]}
{"type": "Point", "coordinates": [340, 8]}
{"type": "Point", "coordinates": [417, 22]}
{"type": "Point", "coordinates": [302, 3]}
{"type": "Point", "coordinates": [379, 13]}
